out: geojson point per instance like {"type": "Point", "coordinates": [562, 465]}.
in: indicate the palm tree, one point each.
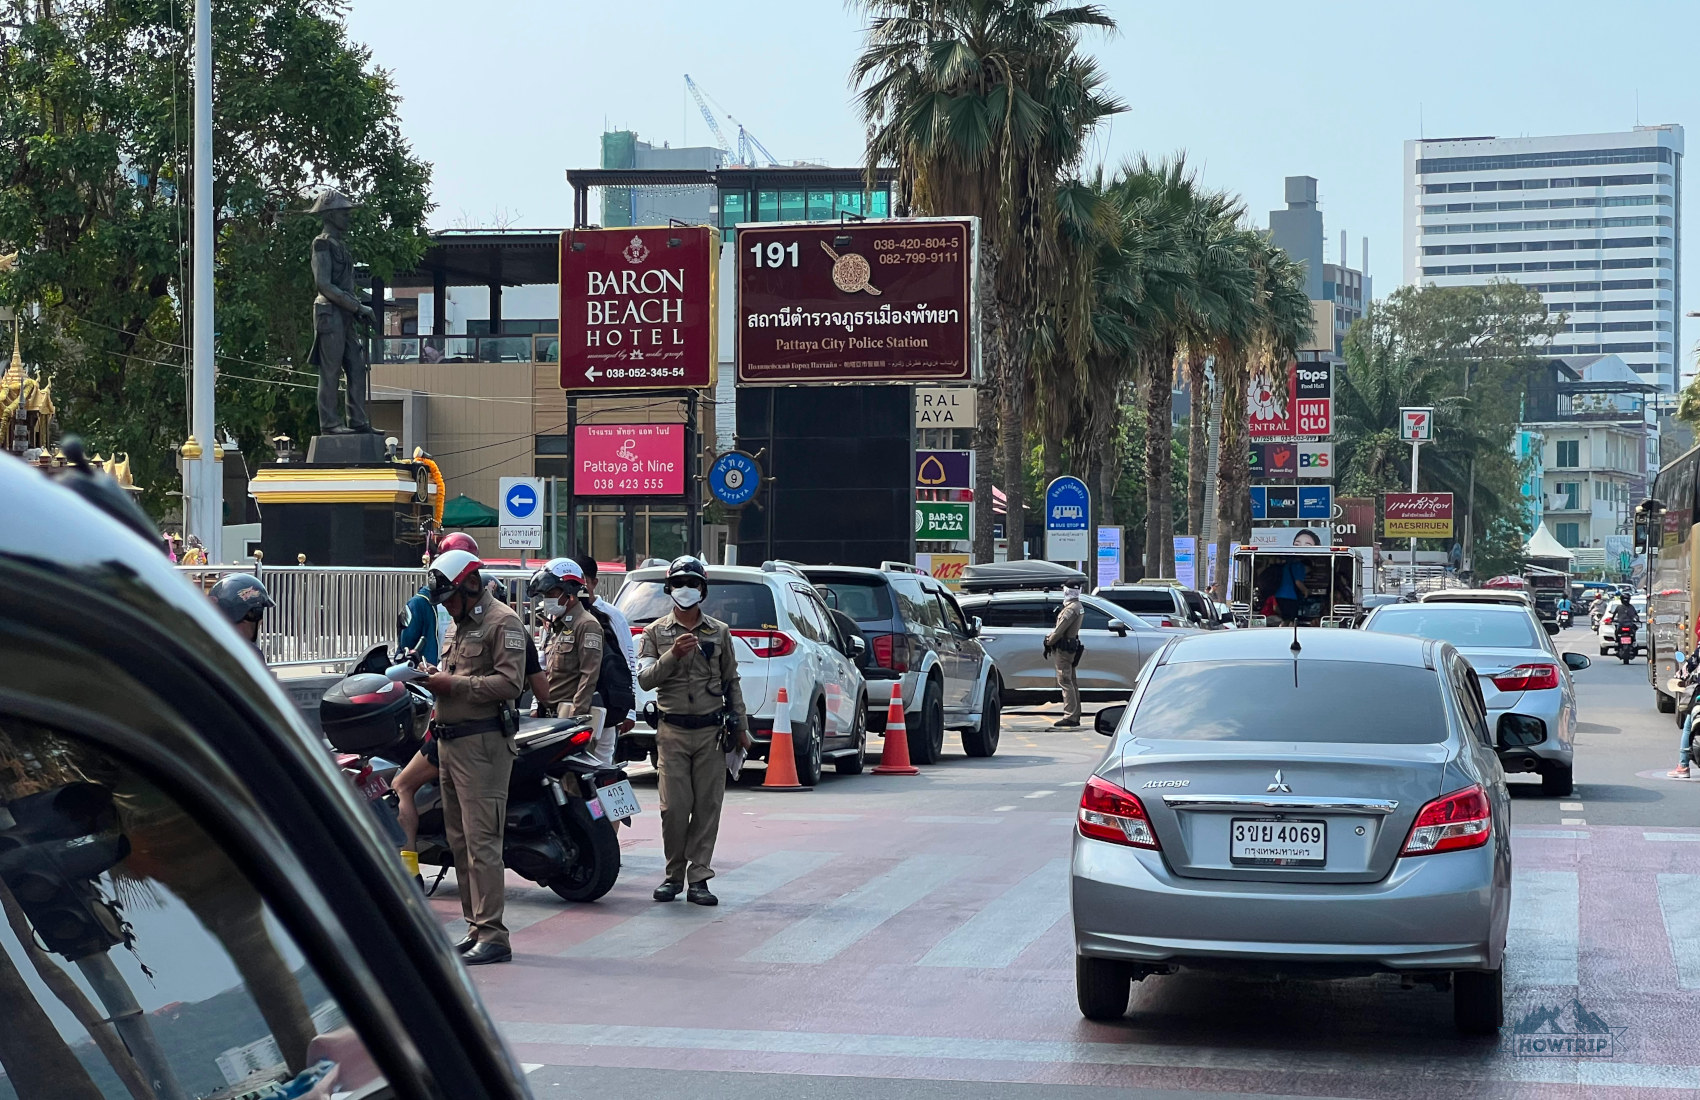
{"type": "Point", "coordinates": [984, 106]}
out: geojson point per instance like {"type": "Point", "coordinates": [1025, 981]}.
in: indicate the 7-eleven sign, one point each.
{"type": "Point", "coordinates": [1416, 425]}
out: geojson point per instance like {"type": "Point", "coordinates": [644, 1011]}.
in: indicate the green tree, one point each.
{"type": "Point", "coordinates": [984, 107]}
{"type": "Point", "coordinates": [95, 142]}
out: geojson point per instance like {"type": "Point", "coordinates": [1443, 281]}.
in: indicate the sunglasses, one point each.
{"type": "Point", "coordinates": [255, 615]}
{"type": "Point", "coordinates": [688, 582]}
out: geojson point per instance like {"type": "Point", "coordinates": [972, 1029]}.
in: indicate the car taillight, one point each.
{"type": "Point", "coordinates": [1109, 813]}
{"type": "Point", "coordinates": [1461, 819]}
{"type": "Point", "coordinates": [892, 651]}
{"type": "Point", "coordinates": [1527, 678]}
{"type": "Point", "coordinates": [768, 643]}
{"type": "Point", "coordinates": [1165, 621]}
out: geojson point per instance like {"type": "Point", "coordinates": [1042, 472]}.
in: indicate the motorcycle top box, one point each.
{"type": "Point", "coordinates": [368, 713]}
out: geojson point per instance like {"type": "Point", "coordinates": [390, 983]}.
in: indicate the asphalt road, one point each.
{"type": "Point", "coordinates": [908, 937]}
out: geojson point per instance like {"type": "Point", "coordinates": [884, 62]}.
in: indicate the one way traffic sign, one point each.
{"type": "Point", "coordinates": [521, 524]}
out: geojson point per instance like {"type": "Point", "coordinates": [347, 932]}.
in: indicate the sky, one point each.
{"type": "Point", "coordinates": [503, 96]}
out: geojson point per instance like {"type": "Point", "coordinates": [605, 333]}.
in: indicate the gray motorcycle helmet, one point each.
{"type": "Point", "coordinates": [240, 596]}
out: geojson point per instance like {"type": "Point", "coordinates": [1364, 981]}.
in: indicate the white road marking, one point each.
{"type": "Point", "coordinates": [1572, 821]}
{"type": "Point", "coordinates": [923, 1048]}
{"type": "Point", "coordinates": [1002, 809]}
{"type": "Point", "coordinates": [1679, 897]}
{"type": "Point", "coordinates": [1542, 941]}
{"type": "Point", "coordinates": [1679, 837]}
{"type": "Point", "coordinates": [1005, 928]}
{"type": "Point", "coordinates": [1551, 834]}
{"type": "Point", "coordinates": [844, 920]}
{"type": "Point", "coordinates": [530, 1067]}
{"type": "Point", "coordinates": [811, 817]}
{"type": "Point", "coordinates": [1038, 794]}
{"type": "Point", "coordinates": [1570, 805]}
{"type": "Point", "coordinates": [949, 820]}
{"type": "Point", "coordinates": [665, 925]}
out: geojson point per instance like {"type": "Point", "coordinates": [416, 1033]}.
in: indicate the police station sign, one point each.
{"type": "Point", "coordinates": [638, 308]}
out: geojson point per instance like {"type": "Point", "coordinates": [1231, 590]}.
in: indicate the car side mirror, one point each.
{"type": "Point", "coordinates": [857, 648]}
{"type": "Point", "coordinates": [975, 626]}
{"type": "Point", "coordinates": [1551, 627]}
{"type": "Point", "coordinates": [1576, 662]}
{"type": "Point", "coordinates": [1519, 731]}
{"type": "Point", "coordinates": [1118, 627]}
{"type": "Point", "coordinates": [1106, 720]}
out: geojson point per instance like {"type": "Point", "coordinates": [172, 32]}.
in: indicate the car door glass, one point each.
{"type": "Point", "coordinates": [928, 609]}
{"type": "Point", "coordinates": [830, 634]}
{"type": "Point", "coordinates": [114, 890]}
{"type": "Point", "coordinates": [1470, 702]}
{"type": "Point", "coordinates": [802, 613]}
{"type": "Point", "coordinates": [1030, 614]}
{"type": "Point", "coordinates": [1095, 619]}
{"type": "Point", "coordinates": [952, 616]}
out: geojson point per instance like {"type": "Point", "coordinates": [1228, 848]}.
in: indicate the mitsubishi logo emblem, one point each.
{"type": "Point", "coordinates": [1279, 786]}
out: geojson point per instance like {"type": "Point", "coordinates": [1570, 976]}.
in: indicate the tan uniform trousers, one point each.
{"type": "Point", "coordinates": [1066, 681]}
{"type": "Point", "coordinates": [693, 787]}
{"type": "Point", "coordinates": [475, 771]}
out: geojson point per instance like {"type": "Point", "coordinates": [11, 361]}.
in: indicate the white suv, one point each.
{"type": "Point", "coordinates": [785, 637]}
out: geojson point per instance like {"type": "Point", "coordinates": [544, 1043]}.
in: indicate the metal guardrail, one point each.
{"type": "Point", "coordinates": [329, 615]}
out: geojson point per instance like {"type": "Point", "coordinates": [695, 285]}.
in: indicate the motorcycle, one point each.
{"type": "Point", "coordinates": [1564, 618]}
{"type": "Point", "coordinates": [1626, 642]}
{"type": "Point", "coordinates": [561, 802]}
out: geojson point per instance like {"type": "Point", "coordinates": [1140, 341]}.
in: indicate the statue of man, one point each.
{"type": "Point", "coordinates": [337, 347]}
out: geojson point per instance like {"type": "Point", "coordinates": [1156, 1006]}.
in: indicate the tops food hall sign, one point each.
{"type": "Point", "coordinates": [638, 308]}
{"type": "Point", "coordinates": [873, 301]}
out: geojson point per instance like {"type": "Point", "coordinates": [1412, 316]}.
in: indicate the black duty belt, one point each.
{"type": "Point", "coordinates": [691, 721]}
{"type": "Point", "coordinates": [442, 731]}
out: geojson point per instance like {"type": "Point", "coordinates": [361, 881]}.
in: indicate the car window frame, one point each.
{"type": "Point", "coordinates": [954, 620]}
{"type": "Point", "coordinates": [376, 946]}
{"type": "Point", "coordinates": [801, 612]}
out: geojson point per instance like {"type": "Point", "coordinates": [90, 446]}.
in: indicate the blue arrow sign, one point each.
{"type": "Point", "coordinates": [521, 501]}
{"type": "Point", "coordinates": [733, 478]}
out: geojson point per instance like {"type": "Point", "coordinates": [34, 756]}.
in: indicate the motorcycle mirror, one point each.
{"type": "Point", "coordinates": [405, 674]}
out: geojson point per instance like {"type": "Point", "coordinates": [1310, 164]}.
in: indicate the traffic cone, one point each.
{"type": "Point", "coordinates": [894, 757]}
{"type": "Point", "coordinates": [781, 756]}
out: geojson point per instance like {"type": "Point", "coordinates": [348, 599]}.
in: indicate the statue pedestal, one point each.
{"type": "Point", "coordinates": [353, 448]}
{"type": "Point", "coordinates": [359, 513]}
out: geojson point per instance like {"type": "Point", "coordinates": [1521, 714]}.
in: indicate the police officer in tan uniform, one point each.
{"type": "Point", "coordinates": [482, 676]}
{"type": "Point", "coordinates": [686, 658]}
{"type": "Point", "coordinates": [1063, 646]}
{"type": "Point", "coordinates": [573, 653]}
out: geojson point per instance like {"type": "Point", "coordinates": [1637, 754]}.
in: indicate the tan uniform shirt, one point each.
{"type": "Point", "coordinates": [485, 653]}
{"type": "Point", "coordinates": [694, 685]}
{"type": "Point", "coordinates": [1066, 634]}
{"type": "Point", "coordinates": [574, 661]}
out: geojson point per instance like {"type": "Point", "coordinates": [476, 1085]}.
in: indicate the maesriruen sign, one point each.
{"type": "Point", "coordinates": [638, 308]}
{"type": "Point", "coordinates": [873, 301]}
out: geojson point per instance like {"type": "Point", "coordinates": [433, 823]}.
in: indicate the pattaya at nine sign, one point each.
{"type": "Point", "coordinates": [638, 308]}
{"type": "Point", "coordinates": [872, 301]}
{"type": "Point", "coordinates": [1417, 515]}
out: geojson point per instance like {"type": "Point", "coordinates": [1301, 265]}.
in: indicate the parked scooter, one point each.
{"type": "Point", "coordinates": [559, 800]}
{"type": "Point", "coordinates": [1626, 642]}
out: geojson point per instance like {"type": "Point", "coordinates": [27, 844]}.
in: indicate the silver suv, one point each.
{"type": "Point", "coordinates": [918, 637]}
{"type": "Point", "coordinates": [1164, 604]}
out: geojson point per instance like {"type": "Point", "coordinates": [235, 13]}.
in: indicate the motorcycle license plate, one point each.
{"type": "Point", "coordinates": [1262, 842]}
{"type": "Point", "coordinates": [618, 800]}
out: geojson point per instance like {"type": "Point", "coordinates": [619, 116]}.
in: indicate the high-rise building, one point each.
{"type": "Point", "coordinates": [1592, 221]}
{"type": "Point", "coordinates": [1297, 230]}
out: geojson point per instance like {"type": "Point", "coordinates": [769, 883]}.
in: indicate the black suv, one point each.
{"type": "Point", "coordinates": [918, 637]}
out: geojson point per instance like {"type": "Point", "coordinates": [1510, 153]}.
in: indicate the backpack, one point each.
{"type": "Point", "coordinates": [614, 681]}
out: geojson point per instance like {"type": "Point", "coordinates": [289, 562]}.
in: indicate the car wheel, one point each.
{"type": "Point", "coordinates": [1478, 1001]}
{"type": "Point", "coordinates": [1102, 986]}
{"type": "Point", "coordinates": [1556, 779]}
{"type": "Point", "coordinates": [926, 738]}
{"type": "Point", "coordinates": [852, 765]}
{"type": "Point", "coordinates": [1665, 703]}
{"type": "Point", "coordinates": [807, 749]}
{"type": "Point", "coordinates": [984, 740]}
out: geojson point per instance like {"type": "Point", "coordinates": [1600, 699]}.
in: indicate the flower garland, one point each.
{"type": "Point", "coordinates": [436, 480]}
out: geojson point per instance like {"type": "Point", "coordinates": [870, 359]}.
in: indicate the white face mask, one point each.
{"type": "Point", "coordinates": [686, 597]}
{"type": "Point", "coordinates": [555, 608]}
{"type": "Point", "coordinates": [1071, 593]}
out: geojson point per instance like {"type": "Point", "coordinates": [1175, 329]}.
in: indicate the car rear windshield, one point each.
{"type": "Point", "coordinates": [865, 600]}
{"type": "Point", "coordinates": [1140, 601]}
{"type": "Point", "coordinates": [741, 605]}
{"type": "Point", "coordinates": [1464, 626]}
{"type": "Point", "coordinates": [1344, 702]}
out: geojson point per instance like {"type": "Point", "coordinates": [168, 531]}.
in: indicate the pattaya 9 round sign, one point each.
{"type": "Point", "coordinates": [638, 308]}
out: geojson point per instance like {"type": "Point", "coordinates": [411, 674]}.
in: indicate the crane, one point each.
{"type": "Point", "coordinates": [707, 115]}
{"type": "Point", "coordinates": [748, 144]}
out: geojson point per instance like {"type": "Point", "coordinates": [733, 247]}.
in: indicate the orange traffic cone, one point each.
{"type": "Point", "coordinates": [781, 756]}
{"type": "Point", "coordinates": [894, 757]}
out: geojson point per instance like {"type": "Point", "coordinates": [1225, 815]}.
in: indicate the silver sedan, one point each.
{"type": "Point", "coordinates": [1531, 701]}
{"type": "Point", "coordinates": [1013, 626]}
{"type": "Point", "coordinates": [1333, 810]}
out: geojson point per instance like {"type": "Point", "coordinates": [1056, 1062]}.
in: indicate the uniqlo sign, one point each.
{"type": "Point", "coordinates": [1315, 415]}
{"type": "Point", "coordinates": [1313, 398]}
{"type": "Point", "coordinates": [638, 308]}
